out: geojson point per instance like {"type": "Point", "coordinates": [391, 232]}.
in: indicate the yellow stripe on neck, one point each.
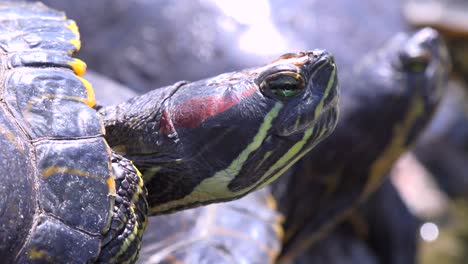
{"type": "Point", "coordinates": [395, 148]}
{"type": "Point", "coordinates": [331, 81]}
{"type": "Point", "coordinates": [217, 185]}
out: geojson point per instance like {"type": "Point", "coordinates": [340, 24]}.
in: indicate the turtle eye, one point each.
{"type": "Point", "coordinates": [283, 84]}
{"type": "Point", "coordinates": [416, 60]}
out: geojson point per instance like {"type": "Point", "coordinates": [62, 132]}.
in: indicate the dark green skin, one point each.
{"type": "Point", "coordinates": [62, 192]}
{"type": "Point", "coordinates": [185, 129]}
{"type": "Point", "coordinates": [219, 233]}
{"type": "Point", "coordinates": [448, 134]}
{"type": "Point", "coordinates": [381, 231]}
{"type": "Point", "coordinates": [392, 230]}
{"type": "Point", "coordinates": [449, 17]}
{"type": "Point", "coordinates": [348, 28]}
{"type": "Point", "coordinates": [449, 131]}
{"type": "Point", "coordinates": [83, 193]}
{"type": "Point", "coordinates": [332, 182]}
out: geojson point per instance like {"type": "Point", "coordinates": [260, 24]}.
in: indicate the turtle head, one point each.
{"type": "Point", "coordinates": [425, 56]}
{"type": "Point", "coordinates": [395, 92]}
{"type": "Point", "coordinates": [408, 77]}
{"type": "Point", "coordinates": [421, 66]}
{"type": "Point", "coordinates": [419, 60]}
{"type": "Point", "coordinates": [221, 138]}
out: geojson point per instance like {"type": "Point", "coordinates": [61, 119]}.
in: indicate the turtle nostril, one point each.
{"type": "Point", "coordinates": [324, 56]}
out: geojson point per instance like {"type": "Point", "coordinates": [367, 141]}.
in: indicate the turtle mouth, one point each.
{"type": "Point", "coordinates": [325, 122]}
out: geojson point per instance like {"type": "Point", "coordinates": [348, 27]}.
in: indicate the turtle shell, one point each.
{"type": "Point", "coordinates": [57, 188]}
{"type": "Point", "coordinates": [348, 28]}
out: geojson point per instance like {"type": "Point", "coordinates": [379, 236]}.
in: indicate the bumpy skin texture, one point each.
{"type": "Point", "coordinates": [57, 187]}
{"type": "Point", "coordinates": [391, 106]}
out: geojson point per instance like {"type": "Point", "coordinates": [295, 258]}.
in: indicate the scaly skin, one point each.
{"type": "Point", "coordinates": [221, 138]}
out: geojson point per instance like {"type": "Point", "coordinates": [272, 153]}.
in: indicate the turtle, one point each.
{"type": "Point", "coordinates": [248, 230]}
{"type": "Point", "coordinates": [410, 75]}
{"type": "Point", "coordinates": [69, 194]}
{"type": "Point", "coordinates": [449, 17]}
{"type": "Point", "coordinates": [399, 89]}
{"type": "Point", "coordinates": [382, 230]}
{"type": "Point", "coordinates": [449, 132]}
{"type": "Point", "coordinates": [216, 37]}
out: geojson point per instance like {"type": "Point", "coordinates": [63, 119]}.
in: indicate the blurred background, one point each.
{"type": "Point", "coordinates": [146, 44]}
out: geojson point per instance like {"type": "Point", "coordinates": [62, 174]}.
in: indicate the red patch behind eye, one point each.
{"type": "Point", "coordinates": [193, 112]}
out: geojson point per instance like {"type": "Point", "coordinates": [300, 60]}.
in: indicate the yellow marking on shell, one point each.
{"type": "Point", "coordinates": [331, 81]}
{"type": "Point", "coordinates": [28, 108]}
{"type": "Point", "coordinates": [51, 170]}
{"type": "Point", "coordinates": [395, 148]}
{"type": "Point", "coordinates": [39, 254]}
{"type": "Point", "coordinates": [111, 185]}
{"type": "Point", "coordinates": [217, 186]}
{"type": "Point", "coordinates": [91, 97]}
{"type": "Point", "coordinates": [76, 43]}
{"type": "Point", "coordinates": [73, 27]}
{"type": "Point", "coordinates": [12, 138]}
{"type": "Point", "coordinates": [78, 66]}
